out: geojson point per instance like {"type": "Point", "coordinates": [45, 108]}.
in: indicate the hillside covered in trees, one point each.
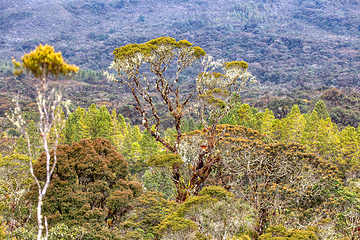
{"type": "Point", "coordinates": [298, 50]}
{"type": "Point", "coordinates": [242, 125]}
{"type": "Point", "coordinates": [200, 164]}
{"type": "Point", "coordinates": [285, 42]}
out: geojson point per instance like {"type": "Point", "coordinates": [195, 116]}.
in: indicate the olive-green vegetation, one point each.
{"type": "Point", "coordinates": [281, 233]}
{"type": "Point", "coordinates": [204, 167]}
{"type": "Point", "coordinates": [15, 182]}
{"type": "Point", "coordinates": [135, 146]}
{"type": "Point", "coordinates": [340, 104]}
{"type": "Point", "coordinates": [150, 209]}
{"type": "Point", "coordinates": [88, 188]}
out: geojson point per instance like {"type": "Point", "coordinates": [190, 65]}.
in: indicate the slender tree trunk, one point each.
{"type": "Point", "coordinates": [39, 217]}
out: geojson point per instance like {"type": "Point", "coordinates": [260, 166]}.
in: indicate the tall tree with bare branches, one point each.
{"type": "Point", "coordinates": [151, 71]}
{"type": "Point", "coordinates": [45, 66]}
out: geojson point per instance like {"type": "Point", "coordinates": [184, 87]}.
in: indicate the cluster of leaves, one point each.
{"type": "Point", "coordinates": [43, 61]}
{"type": "Point", "coordinates": [14, 183]}
{"type": "Point", "coordinates": [314, 129]}
{"type": "Point", "coordinates": [279, 180]}
{"type": "Point", "coordinates": [321, 195]}
{"type": "Point", "coordinates": [58, 232]}
{"type": "Point", "coordinates": [150, 209]}
{"type": "Point", "coordinates": [342, 104]}
{"type": "Point", "coordinates": [134, 145]}
{"type": "Point", "coordinates": [279, 232]}
{"type": "Point", "coordinates": [88, 187]}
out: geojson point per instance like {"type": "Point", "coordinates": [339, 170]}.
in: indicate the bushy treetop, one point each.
{"type": "Point", "coordinates": [147, 48]}
{"type": "Point", "coordinates": [44, 61]}
{"type": "Point", "coordinates": [89, 185]}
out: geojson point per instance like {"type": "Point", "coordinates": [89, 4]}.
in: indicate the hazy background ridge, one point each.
{"type": "Point", "coordinates": [299, 42]}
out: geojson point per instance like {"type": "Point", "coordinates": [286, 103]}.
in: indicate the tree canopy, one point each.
{"type": "Point", "coordinates": [89, 186]}
{"type": "Point", "coordinates": [217, 88]}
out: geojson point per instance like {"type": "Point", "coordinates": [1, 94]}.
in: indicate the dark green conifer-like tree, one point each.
{"type": "Point", "coordinates": [75, 127]}
{"type": "Point", "coordinates": [320, 108]}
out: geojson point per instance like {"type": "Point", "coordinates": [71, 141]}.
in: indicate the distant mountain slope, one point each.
{"type": "Point", "coordinates": [297, 42]}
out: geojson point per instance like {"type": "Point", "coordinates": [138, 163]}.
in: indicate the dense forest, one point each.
{"type": "Point", "coordinates": [189, 161]}
{"type": "Point", "coordinates": [298, 50]}
{"type": "Point", "coordinates": [242, 125]}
